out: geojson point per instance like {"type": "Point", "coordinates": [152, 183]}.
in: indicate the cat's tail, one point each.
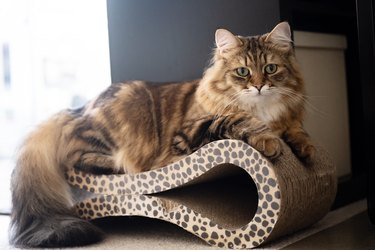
{"type": "Point", "coordinates": [42, 214]}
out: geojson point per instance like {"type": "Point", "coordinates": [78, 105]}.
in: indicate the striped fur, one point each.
{"type": "Point", "coordinates": [136, 126]}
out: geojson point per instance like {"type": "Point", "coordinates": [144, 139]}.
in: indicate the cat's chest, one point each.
{"type": "Point", "coordinates": [269, 113]}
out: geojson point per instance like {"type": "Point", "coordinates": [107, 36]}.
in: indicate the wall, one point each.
{"type": "Point", "coordinates": [171, 40]}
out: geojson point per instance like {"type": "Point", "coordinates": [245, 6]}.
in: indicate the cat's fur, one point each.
{"type": "Point", "coordinates": [137, 126]}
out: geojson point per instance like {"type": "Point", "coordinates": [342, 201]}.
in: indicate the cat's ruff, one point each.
{"type": "Point", "coordinates": [290, 195]}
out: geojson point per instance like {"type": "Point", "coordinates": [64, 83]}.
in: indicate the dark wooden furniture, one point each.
{"type": "Point", "coordinates": [366, 42]}
{"type": "Point", "coordinates": [355, 20]}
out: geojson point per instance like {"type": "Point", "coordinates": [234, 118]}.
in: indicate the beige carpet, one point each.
{"type": "Point", "coordinates": [143, 233]}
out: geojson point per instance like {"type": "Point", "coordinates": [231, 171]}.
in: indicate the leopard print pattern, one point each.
{"type": "Point", "coordinates": [127, 195]}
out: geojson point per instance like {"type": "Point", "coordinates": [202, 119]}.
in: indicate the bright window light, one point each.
{"type": "Point", "coordinates": [54, 54]}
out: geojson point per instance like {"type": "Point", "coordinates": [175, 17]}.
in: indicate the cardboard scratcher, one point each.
{"type": "Point", "coordinates": [226, 193]}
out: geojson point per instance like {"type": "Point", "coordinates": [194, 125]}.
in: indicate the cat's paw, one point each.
{"type": "Point", "coordinates": [268, 144]}
{"type": "Point", "coordinates": [180, 145]}
{"type": "Point", "coordinates": [306, 153]}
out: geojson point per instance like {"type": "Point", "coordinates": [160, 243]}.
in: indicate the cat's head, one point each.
{"type": "Point", "coordinates": [256, 72]}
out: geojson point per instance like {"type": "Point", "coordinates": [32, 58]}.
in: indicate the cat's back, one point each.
{"type": "Point", "coordinates": [139, 93]}
{"type": "Point", "coordinates": [139, 103]}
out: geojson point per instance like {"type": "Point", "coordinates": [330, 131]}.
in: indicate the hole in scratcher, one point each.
{"type": "Point", "coordinates": [226, 195]}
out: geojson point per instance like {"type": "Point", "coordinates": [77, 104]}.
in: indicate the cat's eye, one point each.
{"type": "Point", "coordinates": [270, 68]}
{"type": "Point", "coordinates": [243, 72]}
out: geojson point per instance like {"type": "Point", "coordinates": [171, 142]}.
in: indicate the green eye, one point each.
{"type": "Point", "coordinates": [270, 68]}
{"type": "Point", "coordinates": [243, 72]}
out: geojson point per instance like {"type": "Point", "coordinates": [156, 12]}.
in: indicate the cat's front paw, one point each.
{"type": "Point", "coordinates": [306, 153]}
{"type": "Point", "coordinates": [180, 145]}
{"type": "Point", "coordinates": [268, 144]}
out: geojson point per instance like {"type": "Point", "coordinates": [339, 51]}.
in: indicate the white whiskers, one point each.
{"type": "Point", "coordinates": [232, 99]}
{"type": "Point", "coordinates": [299, 97]}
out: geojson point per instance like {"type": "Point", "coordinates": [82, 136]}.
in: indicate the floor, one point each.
{"type": "Point", "coordinates": [355, 233]}
{"type": "Point", "coordinates": [345, 228]}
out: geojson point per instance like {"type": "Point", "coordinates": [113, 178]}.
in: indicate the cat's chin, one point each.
{"type": "Point", "coordinates": [259, 101]}
{"type": "Point", "coordinates": [253, 99]}
{"type": "Point", "coordinates": [261, 96]}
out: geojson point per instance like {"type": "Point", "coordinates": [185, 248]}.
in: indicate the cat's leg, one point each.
{"type": "Point", "coordinates": [300, 143]}
{"type": "Point", "coordinates": [240, 126]}
{"type": "Point", "coordinates": [251, 130]}
{"type": "Point", "coordinates": [97, 163]}
{"type": "Point", "coordinates": [193, 134]}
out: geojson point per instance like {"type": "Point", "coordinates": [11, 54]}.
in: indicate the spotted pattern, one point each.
{"type": "Point", "coordinates": [126, 194]}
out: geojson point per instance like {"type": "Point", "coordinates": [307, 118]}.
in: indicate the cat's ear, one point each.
{"type": "Point", "coordinates": [281, 35]}
{"type": "Point", "coordinates": [225, 40]}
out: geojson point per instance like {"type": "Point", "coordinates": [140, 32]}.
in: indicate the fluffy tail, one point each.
{"type": "Point", "coordinates": [42, 202]}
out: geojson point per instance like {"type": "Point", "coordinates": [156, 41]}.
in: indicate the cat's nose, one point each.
{"type": "Point", "coordinates": [258, 86]}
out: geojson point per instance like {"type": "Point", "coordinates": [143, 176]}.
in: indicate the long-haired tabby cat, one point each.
{"type": "Point", "coordinates": [252, 91]}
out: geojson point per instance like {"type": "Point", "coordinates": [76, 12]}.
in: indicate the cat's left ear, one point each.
{"type": "Point", "coordinates": [281, 35]}
{"type": "Point", "coordinates": [225, 40]}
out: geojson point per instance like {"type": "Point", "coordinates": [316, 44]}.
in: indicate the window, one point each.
{"type": "Point", "coordinates": [54, 54]}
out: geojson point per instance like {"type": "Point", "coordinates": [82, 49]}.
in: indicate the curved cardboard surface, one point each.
{"type": "Point", "coordinates": [267, 200]}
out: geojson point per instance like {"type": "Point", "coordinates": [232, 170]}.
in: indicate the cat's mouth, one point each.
{"type": "Point", "coordinates": [259, 94]}
{"type": "Point", "coordinates": [258, 91]}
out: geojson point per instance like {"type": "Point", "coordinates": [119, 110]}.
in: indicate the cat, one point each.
{"type": "Point", "coordinates": [251, 91]}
